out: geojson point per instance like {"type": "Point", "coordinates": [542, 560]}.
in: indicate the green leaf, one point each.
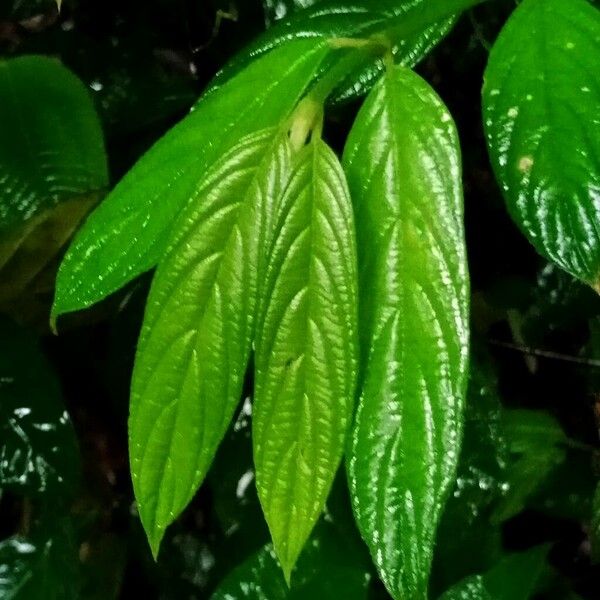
{"type": "Point", "coordinates": [537, 445]}
{"type": "Point", "coordinates": [306, 350]}
{"type": "Point", "coordinates": [259, 578]}
{"type": "Point", "coordinates": [540, 102]}
{"type": "Point", "coordinates": [52, 147]}
{"type": "Point", "coordinates": [412, 28]}
{"type": "Point", "coordinates": [41, 567]}
{"type": "Point", "coordinates": [38, 449]}
{"type": "Point", "coordinates": [279, 9]}
{"type": "Point", "coordinates": [198, 326]}
{"type": "Point", "coordinates": [404, 171]}
{"type": "Point", "coordinates": [129, 232]}
{"type": "Point", "coordinates": [324, 571]}
{"type": "Point", "coordinates": [472, 588]}
{"type": "Point", "coordinates": [513, 578]}
{"type": "Point", "coordinates": [466, 540]}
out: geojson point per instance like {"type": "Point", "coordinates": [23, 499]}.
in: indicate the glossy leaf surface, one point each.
{"type": "Point", "coordinates": [325, 570]}
{"type": "Point", "coordinates": [540, 101]}
{"type": "Point", "coordinates": [198, 327]}
{"type": "Point", "coordinates": [306, 350]}
{"type": "Point", "coordinates": [279, 9]}
{"type": "Point", "coordinates": [411, 27]}
{"type": "Point", "coordinates": [40, 567]}
{"type": "Point", "coordinates": [513, 578]}
{"type": "Point", "coordinates": [403, 165]}
{"type": "Point", "coordinates": [129, 232]}
{"type": "Point", "coordinates": [51, 146]}
{"type": "Point", "coordinates": [467, 541]}
{"type": "Point", "coordinates": [38, 450]}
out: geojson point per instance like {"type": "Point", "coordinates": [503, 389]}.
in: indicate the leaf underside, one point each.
{"type": "Point", "coordinates": [403, 166]}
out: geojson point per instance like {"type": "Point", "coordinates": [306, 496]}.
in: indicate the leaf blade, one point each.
{"type": "Point", "coordinates": [403, 165]}
{"type": "Point", "coordinates": [305, 350]}
{"type": "Point", "coordinates": [129, 232]}
{"type": "Point", "coordinates": [53, 148]}
{"type": "Point", "coordinates": [198, 326]}
{"type": "Point", "coordinates": [412, 29]}
{"type": "Point", "coordinates": [540, 110]}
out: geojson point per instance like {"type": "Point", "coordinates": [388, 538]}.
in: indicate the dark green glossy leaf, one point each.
{"type": "Point", "coordinates": [467, 542]}
{"type": "Point", "coordinates": [38, 450]}
{"type": "Point", "coordinates": [198, 326]}
{"type": "Point", "coordinates": [540, 102]}
{"type": "Point", "coordinates": [513, 578]}
{"type": "Point", "coordinates": [259, 578]}
{"type": "Point", "coordinates": [412, 28]}
{"type": "Point", "coordinates": [404, 171]}
{"type": "Point", "coordinates": [52, 147]}
{"type": "Point", "coordinates": [306, 350]}
{"type": "Point", "coordinates": [536, 443]}
{"type": "Point", "coordinates": [42, 567]}
{"type": "Point", "coordinates": [279, 9]}
{"type": "Point", "coordinates": [129, 232]}
{"type": "Point", "coordinates": [324, 571]}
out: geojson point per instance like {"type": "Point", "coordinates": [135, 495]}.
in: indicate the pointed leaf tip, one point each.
{"type": "Point", "coordinates": [306, 349]}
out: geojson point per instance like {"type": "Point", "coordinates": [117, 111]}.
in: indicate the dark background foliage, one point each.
{"type": "Point", "coordinates": [536, 336]}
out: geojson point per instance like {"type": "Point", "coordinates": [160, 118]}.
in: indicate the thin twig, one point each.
{"type": "Point", "coordinates": [578, 360]}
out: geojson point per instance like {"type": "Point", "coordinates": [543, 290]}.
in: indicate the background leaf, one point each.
{"type": "Point", "coordinates": [305, 350]}
{"type": "Point", "coordinates": [41, 567]}
{"type": "Point", "coordinates": [513, 578]}
{"type": "Point", "coordinates": [403, 165]}
{"type": "Point", "coordinates": [198, 327]}
{"type": "Point", "coordinates": [52, 147]}
{"type": "Point", "coordinates": [540, 102]}
{"type": "Point", "coordinates": [326, 569]}
{"type": "Point", "coordinates": [129, 232]}
{"type": "Point", "coordinates": [411, 28]}
{"type": "Point", "coordinates": [279, 9]}
{"type": "Point", "coordinates": [38, 450]}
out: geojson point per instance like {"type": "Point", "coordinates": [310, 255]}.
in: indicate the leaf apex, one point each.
{"type": "Point", "coordinates": [155, 539]}
{"type": "Point", "coordinates": [53, 317]}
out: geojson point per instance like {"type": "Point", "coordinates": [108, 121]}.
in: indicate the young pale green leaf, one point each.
{"type": "Point", "coordinates": [411, 28]}
{"type": "Point", "coordinates": [403, 166]}
{"type": "Point", "coordinates": [51, 146]}
{"type": "Point", "coordinates": [306, 350]}
{"type": "Point", "coordinates": [129, 232]}
{"type": "Point", "coordinates": [540, 102]}
{"type": "Point", "coordinates": [38, 449]}
{"type": "Point", "coordinates": [194, 347]}
{"type": "Point", "coordinates": [513, 578]}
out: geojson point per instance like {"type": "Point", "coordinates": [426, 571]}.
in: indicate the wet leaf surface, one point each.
{"type": "Point", "coordinates": [38, 450]}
